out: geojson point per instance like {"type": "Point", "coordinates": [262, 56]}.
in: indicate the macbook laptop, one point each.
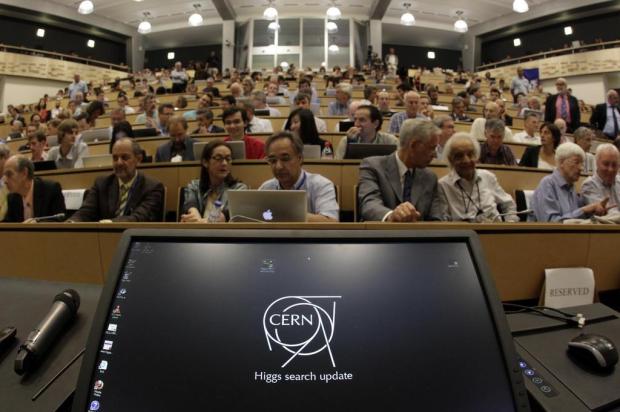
{"type": "Point", "coordinates": [237, 149]}
{"type": "Point", "coordinates": [96, 135]}
{"type": "Point", "coordinates": [364, 150]}
{"type": "Point", "coordinates": [267, 205]}
{"type": "Point", "coordinates": [98, 161]}
{"type": "Point", "coordinates": [312, 151]}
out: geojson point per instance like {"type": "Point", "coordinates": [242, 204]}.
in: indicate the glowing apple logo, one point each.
{"type": "Point", "coordinates": [267, 215]}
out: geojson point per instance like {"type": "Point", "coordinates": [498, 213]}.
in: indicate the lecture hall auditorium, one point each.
{"type": "Point", "coordinates": [497, 118]}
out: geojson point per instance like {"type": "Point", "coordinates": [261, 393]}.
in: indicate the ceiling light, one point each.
{"type": "Point", "coordinates": [270, 12]}
{"type": "Point", "coordinates": [196, 18]}
{"type": "Point", "coordinates": [284, 65]}
{"type": "Point", "coordinates": [144, 27]}
{"type": "Point", "coordinates": [520, 6]}
{"type": "Point", "coordinates": [333, 13]}
{"type": "Point", "coordinates": [333, 48]}
{"type": "Point", "coordinates": [332, 27]}
{"type": "Point", "coordinates": [430, 55]}
{"type": "Point", "coordinates": [568, 30]}
{"type": "Point", "coordinates": [170, 55]}
{"type": "Point", "coordinates": [273, 26]}
{"type": "Point", "coordinates": [460, 25]}
{"type": "Point", "coordinates": [407, 18]}
{"type": "Point", "coordinates": [40, 32]}
{"type": "Point", "coordinates": [86, 7]}
{"type": "Point", "coordinates": [517, 42]}
{"type": "Point", "coordinates": [90, 43]}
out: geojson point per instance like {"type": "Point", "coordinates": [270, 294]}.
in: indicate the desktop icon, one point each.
{"type": "Point", "coordinates": [98, 385]}
{"type": "Point", "coordinates": [94, 406]}
{"type": "Point", "coordinates": [107, 344]}
{"type": "Point", "coordinates": [122, 291]}
{"type": "Point", "coordinates": [103, 365]}
{"type": "Point", "coordinates": [112, 327]}
{"type": "Point", "coordinates": [117, 310]}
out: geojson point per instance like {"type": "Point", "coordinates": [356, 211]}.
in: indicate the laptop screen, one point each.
{"type": "Point", "coordinates": [285, 324]}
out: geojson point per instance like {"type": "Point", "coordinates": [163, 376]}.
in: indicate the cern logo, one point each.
{"type": "Point", "coordinates": [301, 325]}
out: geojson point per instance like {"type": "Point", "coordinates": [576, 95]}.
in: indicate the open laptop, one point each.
{"type": "Point", "coordinates": [236, 147]}
{"type": "Point", "coordinates": [364, 150]}
{"type": "Point", "coordinates": [146, 132]}
{"type": "Point", "coordinates": [267, 205]}
{"type": "Point", "coordinates": [96, 135]}
{"type": "Point", "coordinates": [299, 320]}
{"type": "Point", "coordinates": [312, 151]}
{"type": "Point", "coordinates": [44, 165]}
{"type": "Point", "coordinates": [104, 160]}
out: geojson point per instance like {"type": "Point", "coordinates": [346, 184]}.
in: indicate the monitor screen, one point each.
{"type": "Point", "coordinates": [297, 324]}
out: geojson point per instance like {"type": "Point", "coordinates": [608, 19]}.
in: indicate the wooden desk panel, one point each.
{"type": "Point", "coordinates": [604, 259]}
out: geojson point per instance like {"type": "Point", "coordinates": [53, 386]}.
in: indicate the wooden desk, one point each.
{"type": "Point", "coordinates": [517, 254]}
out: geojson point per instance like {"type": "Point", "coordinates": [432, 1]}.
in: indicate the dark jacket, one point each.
{"type": "Point", "coordinates": [599, 116]}
{"type": "Point", "coordinates": [164, 152]}
{"type": "Point", "coordinates": [530, 157]}
{"type": "Point", "coordinates": [47, 200]}
{"type": "Point", "coordinates": [575, 114]}
{"type": "Point", "coordinates": [145, 203]}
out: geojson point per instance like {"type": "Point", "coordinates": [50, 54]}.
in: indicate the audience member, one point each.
{"type": "Point", "coordinates": [383, 105]}
{"type": "Point", "coordinates": [5, 153]}
{"type": "Point", "coordinates": [606, 116]}
{"type": "Point", "coordinates": [446, 125]}
{"type": "Point", "coordinates": [285, 156]}
{"type": "Point", "coordinates": [77, 86]}
{"type": "Point", "coordinates": [471, 194]}
{"type": "Point", "coordinates": [605, 182]}
{"type": "Point", "coordinates": [179, 78]}
{"type": "Point", "coordinates": [520, 84]}
{"type": "Point", "coordinates": [37, 142]}
{"type": "Point", "coordinates": [302, 101]}
{"type": "Point", "coordinates": [563, 106]}
{"type": "Point", "coordinates": [583, 137]}
{"type": "Point", "coordinates": [235, 124]}
{"type": "Point", "coordinates": [366, 129]}
{"type": "Point", "coordinates": [211, 88]}
{"type": "Point", "coordinates": [29, 197]}
{"type": "Point", "coordinates": [301, 122]}
{"type": "Point", "coordinates": [205, 123]}
{"type": "Point", "coordinates": [561, 125]}
{"type": "Point", "coordinates": [126, 195]}
{"type": "Point", "coordinates": [398, 187]}
{"type": "Point", "coordinates": [214, 183]}
{"type": "Point", "coordinates": [412, 104]}
{"type": "Point", "coordinates": [493, 150]}
{"type": "Point", "coordinates": [340, 106]}
{"type": "Point", "coordinates": [259, 99]}
{"type": "Point", "coordinates": [69, 153]}
{"type": "Point", "coordinates": [123, 104]}
{"type": "Point", "coordinates": [180, 147]}
{"type": "Point", "coordinates": [255, 123]}
{"type": "Point", "coordinates": [543, 156]}
{"type": "Point", "coordinates": [530, 134]}
{"type": "Point", "coordinates": [458, 111]}
{"type": "Point", "coordinates": [555, 198]}
{"type": "Point", "coordinates": [121, 129]}
{"type": "Point", "coordinates": [491, 111]}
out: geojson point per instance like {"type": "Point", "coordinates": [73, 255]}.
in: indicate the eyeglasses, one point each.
{"type": "Point", "coordinates": [220, 159]}
{"type": "Point", "coordinates": [274, 159]}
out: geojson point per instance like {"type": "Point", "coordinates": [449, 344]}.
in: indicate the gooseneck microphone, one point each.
{"type": "Point", "coordinates": [42, 337]}
{"type": "Point", "coordinates": [59, 217]}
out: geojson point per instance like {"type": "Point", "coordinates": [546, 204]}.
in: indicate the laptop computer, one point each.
{"type": "Point", "coordinates": [312, 151]}
{"type": "Point", "coordinates": [44, 165]}
{"type": "Point", "coordinates": [96, 135]}
{"type": "Point", "coordinates": [147, 132]}
{"type": "Point", "coordinates": [236, 147]}
{"type": "Point", "coordinates": [267, 205]}
{"type": "Point", "coordinates": [104, 160]}
{"type": "Point", "coordinates": [299, 320]}
{"type": "Point", "coordinates": [364, 150]}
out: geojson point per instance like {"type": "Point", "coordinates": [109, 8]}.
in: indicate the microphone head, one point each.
{"type": "Point", "coordinates": [71, 298]}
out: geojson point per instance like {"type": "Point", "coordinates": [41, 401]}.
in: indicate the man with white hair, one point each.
{"type": "Point", "coordinates": [606, 116]}
{"type": "Point", "coordinates": [561, 124]}
{"type": "Point", "coordinates": [398, 187]}
{"type": "Point", "coordinates": [340, 107]}
{"type": "Point", "coordinates": [446, 124]}
{"type": "Point", "coordinates": [563, 106]}
{"type": "Point", "coordinates": [491, 111]}
{"type": "Point", "coordinates": [210, 88]}
{"type": "Point", "coordinates": [179, 78]}
{"type": "Point", "coordinates": [529, 135]}
{"type": "Point", "coordinates": [605, 182]}
{"type": "Point", "coordinates": [555, 198]}
{"type": "Point", "coordinates": [412, 106]}
{"type": "Point", "coordinates": [76, 86]}
{"type": "Point", "coordinates": [471, 194]}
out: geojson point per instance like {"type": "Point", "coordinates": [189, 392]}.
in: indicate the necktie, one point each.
{"type": "Point", "coordinates": [407, 186]}
{"type": "Point", "coordinates": [613, 113]}
{"type": "Point", "coordinates": [563, 108]}
{"type": "Point", "coordinates": [123, 200]}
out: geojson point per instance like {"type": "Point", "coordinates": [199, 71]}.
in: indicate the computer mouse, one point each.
{"type": "Point", "coordinates": [596, 351]}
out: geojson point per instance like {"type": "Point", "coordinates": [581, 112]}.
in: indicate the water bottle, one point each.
{"type": "Point", "coordinates": [214, 214]}
{"type": "Point", "coordinates": [328, 152]}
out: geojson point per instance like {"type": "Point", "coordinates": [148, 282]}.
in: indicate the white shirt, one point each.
{"type": "Point", "coordinates": [478, 200]}
{"type": "Point", "coordinates": [477, 130]}
{"type": "Point", "coordinates": [594, 190]}
{"type": "Point", "coordinates": [258, 125]}
{"type": "Point", "coordinates": [129, 110]}
{"type": "Point", "coordinates": [524, 137]}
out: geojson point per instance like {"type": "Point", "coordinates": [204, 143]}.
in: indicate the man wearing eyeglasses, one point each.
{"type": "Point", "coordinates": [235, 124]}
{"type": "Point", "coordinates": [285, 156]}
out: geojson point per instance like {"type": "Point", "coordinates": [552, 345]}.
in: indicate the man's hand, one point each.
{"type": "Point", "coordinates": [405, 212]}
{"type": "Point", "coordinates": [192, 216]}
{"type": "Point", "coordinates": [598, 208]}
{"type": "Point", "coordinates": [353, 131]}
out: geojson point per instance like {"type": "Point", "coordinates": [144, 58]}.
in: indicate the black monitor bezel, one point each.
{"type": "Point", "coordinates": [82, 393]}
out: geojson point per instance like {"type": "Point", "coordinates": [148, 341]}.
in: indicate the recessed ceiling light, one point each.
{"type": "Point", "coordinates": [517, 42]}
{"type": "Point", "coordinates": [40, 32]}
{"type": "Point", "coordinates": [170, 55]}
{"type": "Point", "coordinates": [90, 43]}
{"type": "Point", "coordinates": [568, 30]}
{"type": "Point", "coordinates": [430, 55]}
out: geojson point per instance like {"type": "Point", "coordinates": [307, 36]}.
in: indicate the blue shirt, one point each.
{"type": "Point", "coordinates": [555, 200]}
{"type": "Point", "coordinates": [320, 192]}
{"type": "Point", "coordinates": [399, 118]}
{"type": "Point", "coordinates": [338, 109]}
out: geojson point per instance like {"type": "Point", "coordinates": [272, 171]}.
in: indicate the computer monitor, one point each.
{"type": "Point", "coordinates": [239, 320]}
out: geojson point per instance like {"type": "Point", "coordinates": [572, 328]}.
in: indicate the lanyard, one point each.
{"type": "Point", "coordinates": [469, 200]}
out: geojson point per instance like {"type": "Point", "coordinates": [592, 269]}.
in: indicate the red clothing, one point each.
{"type": "Point", "coordinates": [254, 148]}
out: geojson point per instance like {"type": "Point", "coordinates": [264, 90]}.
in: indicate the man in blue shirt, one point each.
{"type": "Point", "coordinates": [555, 199]}
{"type": "Point", "coordinates": [285, 156]}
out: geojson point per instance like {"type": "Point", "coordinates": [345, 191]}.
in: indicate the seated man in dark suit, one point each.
{"type": "Point", "coordinates": [180, 147]}
{"type": "Point", "coordinates": [30, 197]}
{"type": "Point", "coordinates": [563, 106]}
{"type": "Point", "coordinates": [606, 116]}
{"type": "Point", "coordinates": [398, 187]}
{"type": "Point", "coordinates": [126, 195]}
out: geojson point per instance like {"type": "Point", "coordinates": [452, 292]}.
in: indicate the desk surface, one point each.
{"type": "Point", "coordinates": [23, 304]}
